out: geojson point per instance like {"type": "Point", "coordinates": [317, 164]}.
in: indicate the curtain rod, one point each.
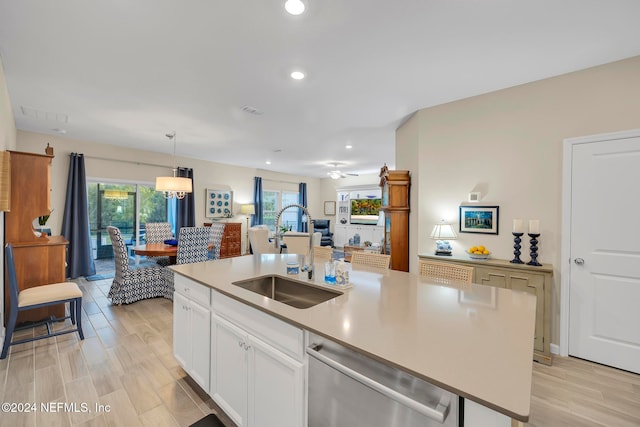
{"type": "Point", "coordinates": [127, 161]}
{"type": "Point", "coordinates": [280, 181]}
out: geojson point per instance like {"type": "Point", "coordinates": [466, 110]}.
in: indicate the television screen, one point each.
{"type": "Point", "coordinates": [365, 211]}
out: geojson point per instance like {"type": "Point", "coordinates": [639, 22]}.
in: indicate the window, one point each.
{"type": "Point", "coordinates": [126, 206]}
{"type": "Point", "coordinates": [273, 201]}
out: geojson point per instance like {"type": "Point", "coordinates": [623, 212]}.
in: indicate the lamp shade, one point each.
{"type": "Point", "coordinates": [174, 184]}
{"type": "Point", "coordinates": [443, 231]}
{"type": "Point", "coordinates": [248, 209]}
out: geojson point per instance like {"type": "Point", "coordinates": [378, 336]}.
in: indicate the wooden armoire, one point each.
{"type": "Point", "coordinates": [395, 205]}
{"type": "Point", "coordinates": [39, 259]}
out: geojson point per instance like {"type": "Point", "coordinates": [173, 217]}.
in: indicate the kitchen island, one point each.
{"type": "Point", "coordinates": [472, 340]}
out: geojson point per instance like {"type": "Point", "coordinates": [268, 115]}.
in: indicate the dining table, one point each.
{"type": "Point", "coordinates": [157, 249]}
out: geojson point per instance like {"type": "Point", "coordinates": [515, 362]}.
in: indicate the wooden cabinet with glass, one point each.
{"type": "Point", "coordinates": [395, 205]}
{"type": "Point", "coordinates": [39, 259]}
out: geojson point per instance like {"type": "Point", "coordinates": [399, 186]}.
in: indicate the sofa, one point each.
{"type": "Point", "coordinates": [322, 226]}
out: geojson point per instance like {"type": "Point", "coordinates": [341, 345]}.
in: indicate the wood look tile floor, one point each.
{"type": "Point", "coordinates": [126, 363]}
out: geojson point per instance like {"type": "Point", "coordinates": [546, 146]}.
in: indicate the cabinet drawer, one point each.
{"type": "Point", "coordinates": [491, 277]}
{"type": "Point", "coordinates": [192, 290]}
{"type": "Point", "coordinates": [275, 332]}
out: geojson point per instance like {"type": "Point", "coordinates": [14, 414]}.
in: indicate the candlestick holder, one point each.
{"type": "Point", "coordinates": [534, 250]}
{"type": "Point", "coordinates": [516, 245]}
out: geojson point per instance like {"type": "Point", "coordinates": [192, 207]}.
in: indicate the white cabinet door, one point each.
{"type": "Point", "coordinates": [229, 369]}
{"type": "Point", "coordinates": [192, 338]}
{"type": "Point", "coordinates": [276, 387]}
{"type": "Point", "coordinates": [200, 331]}
{"type": "Point", "coordinates": [377, 234]}
{"type": "Point", "coordinates": [366, 234]}
{"type": "Point", "coordinates": [340, 235]}
{"type": "Point", "coordinates": [181, 333]}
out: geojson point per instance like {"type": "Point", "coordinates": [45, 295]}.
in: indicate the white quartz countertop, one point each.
{"type": "Point", "coordinates": [473, 340]}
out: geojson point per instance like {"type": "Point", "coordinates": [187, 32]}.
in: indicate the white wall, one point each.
{"type": "Point", "coordinates": [7, 142]}
{"type": "Point", "coordinates": [206, 174]}
{"type": "Point", "coordinates": [508, 145]}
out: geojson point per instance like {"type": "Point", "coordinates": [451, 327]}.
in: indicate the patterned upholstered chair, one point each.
{"type": "Point", "coordinates": [132, 284]}
{"type": "Point", "coordinates": [158, 232]}
{"type": "Point", "coordinates": [215, 239]}
{"type": "Point", "coordinates": [193, 245]}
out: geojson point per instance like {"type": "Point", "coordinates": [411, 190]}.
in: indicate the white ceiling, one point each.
{"type": "Point", "coordinates": [128, 72]}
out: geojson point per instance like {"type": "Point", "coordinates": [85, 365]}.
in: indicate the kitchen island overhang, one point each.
{"type": "Point", "coordinates": [473, 340]}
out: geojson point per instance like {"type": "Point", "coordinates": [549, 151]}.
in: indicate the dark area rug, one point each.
{"type": "Point", "coordinates": [210, 420]}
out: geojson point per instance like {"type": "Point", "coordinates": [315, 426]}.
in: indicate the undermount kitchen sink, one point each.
{"type": "Point", "coordinates": [292, 292]}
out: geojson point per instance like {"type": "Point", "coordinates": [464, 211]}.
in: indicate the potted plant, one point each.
{"type": "Point", "coordinates": [42, 221]}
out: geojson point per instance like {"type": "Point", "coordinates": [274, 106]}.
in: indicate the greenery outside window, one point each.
{"type": "Point", "coordinates": [273, 201]}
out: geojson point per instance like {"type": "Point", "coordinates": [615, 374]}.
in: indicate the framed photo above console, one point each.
{"type": "Point", "coordinates": [479, 219]}
{"type": "Point", "coordinates": [218, 203]}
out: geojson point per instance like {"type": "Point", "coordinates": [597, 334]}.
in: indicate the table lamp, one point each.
{"type": "Point", "coordinates": [442, 233]}
{"type": "Point", "coordinates": [248, 210]}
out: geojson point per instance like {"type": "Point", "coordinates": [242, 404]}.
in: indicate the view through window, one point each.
{"type": "Point", "coordinates": [126, 206]}
{"type": "Point", "coordinates": [273, 202]}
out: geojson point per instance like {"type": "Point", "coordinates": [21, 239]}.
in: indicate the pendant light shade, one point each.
{"type": "Point", "coordinates": [174, 186]}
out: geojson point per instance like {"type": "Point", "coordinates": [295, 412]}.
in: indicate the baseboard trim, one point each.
{"type": "Point", "coordinates": [554, 348]}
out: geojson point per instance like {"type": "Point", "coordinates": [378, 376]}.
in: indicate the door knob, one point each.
{"type": "Point", "coordinates": [579, 261]}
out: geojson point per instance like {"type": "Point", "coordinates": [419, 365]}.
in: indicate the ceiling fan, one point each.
{"type": "Point", "coordinates": [337, 173]}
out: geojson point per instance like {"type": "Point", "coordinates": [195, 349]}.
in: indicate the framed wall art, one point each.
{"type": "Point", "coordinates": [329, 208]}
{"type": "Point", "coordinates": [479, 219]}
{"type": "Point", "coordinates": [218, 203]}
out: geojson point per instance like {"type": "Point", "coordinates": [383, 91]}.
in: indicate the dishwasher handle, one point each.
{"type": "Point", "coordinates": [439, 413]}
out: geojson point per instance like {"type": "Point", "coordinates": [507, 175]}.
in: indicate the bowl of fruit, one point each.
{"type": "Point", "coordinates": [478, 252]}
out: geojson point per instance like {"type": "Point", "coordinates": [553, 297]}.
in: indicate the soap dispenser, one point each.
{"type": "Point", "coordinates": [342, 273]}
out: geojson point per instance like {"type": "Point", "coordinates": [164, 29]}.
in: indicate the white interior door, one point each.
{"type": "Point", "coordinates": [604, 314]}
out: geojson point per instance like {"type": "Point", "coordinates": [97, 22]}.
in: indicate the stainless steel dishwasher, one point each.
{"type": "Point", "coordinates": [348, 389]}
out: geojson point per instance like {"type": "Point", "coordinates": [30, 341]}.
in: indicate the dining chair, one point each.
{"type": "Point", "coordinates": [371, 259]}
{"type": "Point", "coordinates": [445, 271]}
{"type": "Point", "coordinates": [322, 253]}
{"type": "Point", "coordinates": [259, 240]}
{"type": "Point", "coordinates": [216, 231]}
{"type": "Point", "coordinates": [193, 245]}
{"type": "Point", "coordinates": [158, 232]}
{"type": "Point", "coordinates": [37, 297]}
{"type": "Point", "coordinates": [297, 243]}
{"type": "Point", "coordinates": [132, 284]}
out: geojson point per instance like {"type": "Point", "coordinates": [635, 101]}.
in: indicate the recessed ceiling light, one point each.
{"type": "Point", "coordinates": [297, 75]}
{"type": "Point", "coordinates": [294, 7]}
{"type": "Point", "coordinates": [268, 162]}
{"type": "Point", "coordinates": [348, 147]}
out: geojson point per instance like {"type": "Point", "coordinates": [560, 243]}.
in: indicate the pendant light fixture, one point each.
{"type": "Point", "coordinates": [174, 186]}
